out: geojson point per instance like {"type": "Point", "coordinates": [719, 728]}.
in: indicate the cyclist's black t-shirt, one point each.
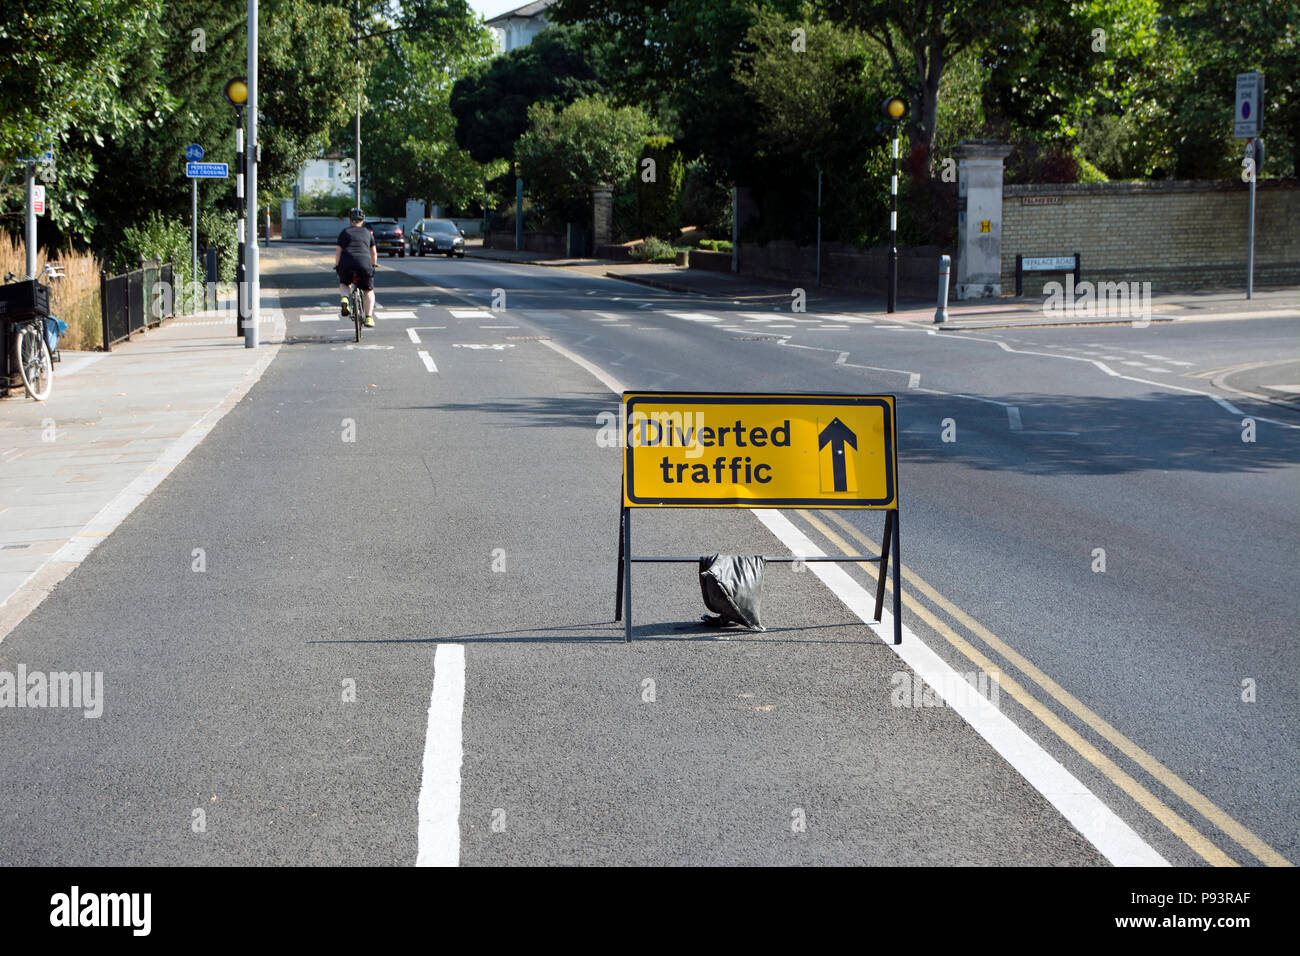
{"type": "Point", "coordinates": [356, 243]}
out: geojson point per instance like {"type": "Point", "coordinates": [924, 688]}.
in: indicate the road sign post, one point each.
{"type": "Point", "coordinates": [193, 154]}
{"type": "Point", "coordinates": [1250, 224]}
{"type": "Point", "coordinates": [713, 450]}
{"type": "Point", "coordinates": [1248, 120]}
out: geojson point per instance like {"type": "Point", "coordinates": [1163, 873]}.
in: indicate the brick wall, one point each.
{"type": "Point", "coordinates": [843, 267]}
{"type": "Point", "coordinates": [1176, 235]}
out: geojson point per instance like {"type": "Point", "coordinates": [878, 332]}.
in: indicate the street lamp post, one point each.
{"type": "Point", "coordinates": [252, 158]}
{"type": "Point", "coordinates": [237, 94]}
{"type": "Point", "coordinates": [894, 108]}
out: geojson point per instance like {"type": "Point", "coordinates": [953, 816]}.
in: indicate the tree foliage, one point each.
{"type": "Point", "coordinates": [586, 143]}
{"type": "Point", "coordinates": [490, 103]}
{"type": "Point", "coordinates": [410, 134]}
{"type": "Point", "coordinates": [677, 55]}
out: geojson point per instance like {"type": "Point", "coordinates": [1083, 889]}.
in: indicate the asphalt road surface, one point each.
{"type": "Point", "coordinates": [401, 645]}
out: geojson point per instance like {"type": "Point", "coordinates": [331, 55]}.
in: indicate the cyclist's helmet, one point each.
{"type": "Point", "coordinates": [356, 215]}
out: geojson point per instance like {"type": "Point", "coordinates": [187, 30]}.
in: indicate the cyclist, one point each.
{"type": "Point", "coordinates": [357, 257]}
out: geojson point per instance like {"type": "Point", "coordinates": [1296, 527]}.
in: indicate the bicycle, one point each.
{"type": "Point", "coordinates": [30, 347]}
{"type": "Point", "coordinates": [357, 305]}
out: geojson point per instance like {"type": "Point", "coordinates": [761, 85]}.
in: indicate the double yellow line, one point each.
{"type": "Point", "coordinates": [1144, 797]}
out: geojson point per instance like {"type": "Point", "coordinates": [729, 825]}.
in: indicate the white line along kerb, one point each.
{"type": "Point", "coordinates": [439, 807]}
{"type": "Point", "coordinates": [1102, 827]}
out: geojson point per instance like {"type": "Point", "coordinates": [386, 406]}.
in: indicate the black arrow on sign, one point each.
{"type": "Point", "coordinates": [837, 433]}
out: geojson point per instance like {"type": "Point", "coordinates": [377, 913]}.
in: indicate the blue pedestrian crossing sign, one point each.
{"type": "Point", "coordinates": [207, 170]}
{"type": "Point", "coordinates": [194, 152]}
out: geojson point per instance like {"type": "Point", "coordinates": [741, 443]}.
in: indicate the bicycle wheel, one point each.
{"type": "Point", "coordinates": [34, 363]}
{"type": "Point", "coordinates": [357, 305]}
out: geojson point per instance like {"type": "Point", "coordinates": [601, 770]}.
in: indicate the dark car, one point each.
{"type": "Point", "coordinates": [388, 236]}
{"type": "Point", "coordinates": [437, 236]}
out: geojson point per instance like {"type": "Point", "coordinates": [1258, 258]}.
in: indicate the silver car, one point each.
{"type": "Point", "coordinates": [439, 236]}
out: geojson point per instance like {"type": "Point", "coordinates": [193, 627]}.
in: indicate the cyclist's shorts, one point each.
{"type": "Point", "coordinates": [365, 278]}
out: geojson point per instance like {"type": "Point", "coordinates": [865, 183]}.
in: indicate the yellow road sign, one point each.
{"type": "Point", "coordinates": [703, 450]}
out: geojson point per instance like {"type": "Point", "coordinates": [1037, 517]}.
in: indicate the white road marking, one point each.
{"type": "Point", "coordinates": [1013, 418]}
{"type": "Point", "coordinates": [471, 314]}
{"type": "Point", "coordinates": [393, 314]}
{"type": "Point", "coordinates": [427, 359]}
{"type": "Point", "coordinates": [498, 326]}
{"type": "Point", "coordinates": [484, 346]}
{"type": "Point", "coordinates": [693, 316]}
{"type": "Point", "coordinates": [414, 337]}
{"type": "Point", "coordinates": [1109, 371]}
{"type": "Point", "coordinates": [913, 380]}
{"type": "Point", "coordinates": [1114, 838]}
{"type": "Point", "coordinates": [609, 381]}
{"type": "Point", "coordinates": [438, 836]}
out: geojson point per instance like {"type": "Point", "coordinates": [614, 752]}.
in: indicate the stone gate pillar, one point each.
{"type": "Point", "coordinates": [602, 204]}
{"type": "Point", "coordinates": [979, 217]}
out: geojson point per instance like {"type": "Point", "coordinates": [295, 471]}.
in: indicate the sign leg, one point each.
{"type": "Point", "coordinates": [618, 588]}
{"type": "Point", "coordinates": [898, 589]}
{"type": "Point", "coordinates": [884, 562]}
{"type": "Point", "coordinates": [627, 575]}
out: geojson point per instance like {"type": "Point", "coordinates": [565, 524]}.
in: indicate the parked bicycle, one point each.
{"type": "Point", "coordinates": [32, 334]}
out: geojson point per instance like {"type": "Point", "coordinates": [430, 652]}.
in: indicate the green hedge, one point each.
{"type": "Point", "coordinates": [165, 240]}
{"type": "Point", "coordinates": [653, 250]}
{"type": "Point", "coordinates": [217, 230]}
{"type": "Point", "coordinates": [659, 202]}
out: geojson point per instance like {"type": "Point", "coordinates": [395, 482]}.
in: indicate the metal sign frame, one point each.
{"type": "Point", "coordinates": [1030, 264]}
{"type": "Point", "coordinates": [890, 542]}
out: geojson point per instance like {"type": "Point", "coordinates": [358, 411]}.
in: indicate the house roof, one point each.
{"type": "Point", "coordinates": [528, 10]}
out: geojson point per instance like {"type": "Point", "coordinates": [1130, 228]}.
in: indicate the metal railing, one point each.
{"type": "Point", "coordinates": [135, 301]}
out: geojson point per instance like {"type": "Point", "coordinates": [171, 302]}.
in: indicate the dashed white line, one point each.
{"type": "Point", "coordinates": [438, 835]}
{"type": "Point", "coordinates": [427, 359]}
{"type": "Point", "coordinates": [414, 337]}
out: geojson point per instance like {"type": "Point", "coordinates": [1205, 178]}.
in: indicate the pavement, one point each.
{"type": "Point", "coordinates": [1005, 312]}
{"type": "Point", "coordinates": [114, 426]}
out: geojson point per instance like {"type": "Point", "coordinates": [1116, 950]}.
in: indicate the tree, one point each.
{"type": "Point", "coordinates": [54, 92]}
{"type": "Point", "coordinates": [412, 146]}
{"type": "Point", "coordinates": [567, 151]}
{"type": "Point", "coordinates": [677, 54]}
{"type": "Point", "coordinates": [1215, 41]}
{"type": "Point", "coordinates": [490, 103]}
{"type": "Point", "coordinates": [302, 95]}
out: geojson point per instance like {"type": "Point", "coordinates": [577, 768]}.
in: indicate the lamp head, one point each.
{"type": "Point", "coordinates": [237, 92]}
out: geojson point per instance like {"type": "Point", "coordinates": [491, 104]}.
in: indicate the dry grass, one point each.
{"type": "Point", "coordinates": [74, 299]}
